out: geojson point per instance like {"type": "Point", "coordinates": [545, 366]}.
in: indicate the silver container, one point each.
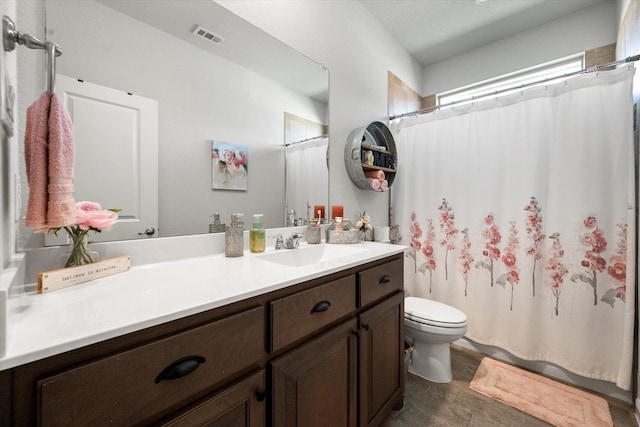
{"type": "Point", "coordinates": [342, 231]}
{"type": "Point", "coordinates": [313, 234]}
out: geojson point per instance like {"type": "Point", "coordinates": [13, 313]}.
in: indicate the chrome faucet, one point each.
{"type": "Point", "coordinates": [293, 241]}
{"type": "Point", "coordinates": [279, 241]}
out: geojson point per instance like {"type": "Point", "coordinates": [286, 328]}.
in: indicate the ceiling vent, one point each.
{"type": "Point", "coordinates": [207, 35]}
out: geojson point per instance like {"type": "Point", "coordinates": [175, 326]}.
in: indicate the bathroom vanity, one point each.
{"type": "Point", "coordinates": [288, 340]}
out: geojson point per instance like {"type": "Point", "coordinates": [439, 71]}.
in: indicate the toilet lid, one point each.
{"type": "Point", "coordinates": [432, 312]}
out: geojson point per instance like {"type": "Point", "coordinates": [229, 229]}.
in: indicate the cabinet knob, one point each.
{"type": "Point", "coordinates": [365, 326]}
{"type": "Point", "coordinates": [385, 279]}
{"type": "Point", "coordinates": [260, 395]}
{"type": "Point", "coordinates": [180, 368]}
{"type": "Point", "coordinates": [356, 333]}
{"type": "Point", "coordinates": [320, 307]}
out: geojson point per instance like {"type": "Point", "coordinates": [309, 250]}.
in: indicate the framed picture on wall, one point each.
{"type": "Point", "coordinates": [229, 166]}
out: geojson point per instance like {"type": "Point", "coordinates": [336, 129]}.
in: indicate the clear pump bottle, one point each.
{"type": "Point", "coordinates": [256, 235]}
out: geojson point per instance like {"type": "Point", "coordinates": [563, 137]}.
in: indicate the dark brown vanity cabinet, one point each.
{"type": "Point", "coordinates": [327, 352]}
{"type": "Point", "coordinates": [353, 374]}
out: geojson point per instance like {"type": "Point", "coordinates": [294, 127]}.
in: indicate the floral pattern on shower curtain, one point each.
{"type": "Point", "coordinates": [520, 211]}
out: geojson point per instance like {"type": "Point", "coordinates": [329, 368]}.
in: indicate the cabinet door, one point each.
{"type": "Point", "coordinates": [242, 405]}
{"type": "Point", "coordinates": [316, 384]}
{"type": "Point", "coordinates": [381, 360]}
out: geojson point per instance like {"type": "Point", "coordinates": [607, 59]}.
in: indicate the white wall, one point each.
{"type": "Point", "coordinates": [628, 17]}
{"type": "Point", "coordinates": [358, 51]}
{"type": "Point", "coordinates": [587, 29]}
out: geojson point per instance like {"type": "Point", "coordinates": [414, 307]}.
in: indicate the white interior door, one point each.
{"type": "Point", "coordinates": [116, 156]}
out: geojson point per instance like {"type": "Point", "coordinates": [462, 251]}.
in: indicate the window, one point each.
{"type": "Point", "coordinates": [513, 82]}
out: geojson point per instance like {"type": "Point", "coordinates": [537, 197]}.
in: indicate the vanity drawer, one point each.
{"type": "Point", "coordinates": [127, 389]}
{"type": "Point", "coordinates": [377, 282]}
{"type": "Point", "coordinates": [303, 313]}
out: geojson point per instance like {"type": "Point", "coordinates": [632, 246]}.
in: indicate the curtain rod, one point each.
{"type": "Point", "coordinates": [306, 140]}
{"type": "Point", "coordinates": [522, 86]}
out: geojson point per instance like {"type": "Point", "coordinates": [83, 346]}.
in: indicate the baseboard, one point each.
{"type": "Point", "coordinates": [603, 387]}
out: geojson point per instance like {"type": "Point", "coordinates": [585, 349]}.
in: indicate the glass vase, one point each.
{"type": "Point", "coordinates": [80, 254]}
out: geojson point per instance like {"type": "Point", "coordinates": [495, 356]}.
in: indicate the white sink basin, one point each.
{"type": "Point", "coordinates": [311, 254]}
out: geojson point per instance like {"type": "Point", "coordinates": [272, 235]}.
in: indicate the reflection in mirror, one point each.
{"type": "Point", "coordinates": [306, 163]}
{"type": "Point", "coordinates": [148, 48]}
{"type": "Point", "coordinates": [307, 169]}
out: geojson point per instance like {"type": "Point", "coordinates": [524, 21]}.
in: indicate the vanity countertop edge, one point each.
{"type": "Point", "coordinates": [43, 325]}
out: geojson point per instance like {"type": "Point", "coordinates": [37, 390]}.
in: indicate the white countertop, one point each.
{"type": "Point", "coordinates": [43, 325]}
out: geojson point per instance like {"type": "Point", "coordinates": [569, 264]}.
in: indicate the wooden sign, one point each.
{"type": "Point", "coordinates": [64, 277]}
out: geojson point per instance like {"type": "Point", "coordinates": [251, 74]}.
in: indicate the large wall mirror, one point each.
{"type": "Point", "coordinates": [237, 91]}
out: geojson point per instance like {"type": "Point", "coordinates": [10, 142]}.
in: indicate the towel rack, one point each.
{"type": "Point", "coordinates": [11, 36]}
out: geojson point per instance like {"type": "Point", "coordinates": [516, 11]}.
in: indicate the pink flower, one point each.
{"type": "Point", "coordinates": [427, 250]}
{"type": "Point", "coordinates": [241, 159]}
{"type": "Point", "coordinates": [599, 264]}
{"type": "Point", "coordinates": [492, 252]}
{"type": "Point", "coordinates": [513, 277]}
{"type": "Point", "coordinates": [89, 215]}
{"type": "Point", "coordinates": [590, 222]}
{"type": "Point", "coordinates": [509, 259]}
{"type": "Point", "coordinates": [587, 239]}
{"type": "Point", "coordinates": [618, 271]}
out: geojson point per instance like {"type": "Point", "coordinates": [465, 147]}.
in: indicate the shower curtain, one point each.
{"type": "Point", "coordinates": [520, 211]}
{"type": "Point", "coordinates": [307, 175]}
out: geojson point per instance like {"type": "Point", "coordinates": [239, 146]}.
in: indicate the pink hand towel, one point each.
{"type": "Point", "coordinates": [384, 185]}
{"type": "Point", "coordinates": [374, 183]}
{"type": "Point", "coordinates": [377, 174]}
{"type": "Point", "coordinates": [61, 209]}
{"type": "Point", "coordinates": [36, 159]}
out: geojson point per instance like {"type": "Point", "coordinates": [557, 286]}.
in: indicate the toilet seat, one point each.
{"type": "Point", "coordinates": [428, 312]}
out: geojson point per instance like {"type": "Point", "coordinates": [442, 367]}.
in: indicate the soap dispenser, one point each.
{"type": "Point", "coordinates": [233, 238]}
{"type": "Point", "coordinates": [216, 226]}
{"type": "Point", "coordinates": [256, 235]}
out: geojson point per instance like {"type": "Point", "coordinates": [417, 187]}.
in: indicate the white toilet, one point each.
{"type": "Point", "coordinates": [431, 326]}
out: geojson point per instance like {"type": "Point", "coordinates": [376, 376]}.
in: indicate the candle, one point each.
{"type": "Point", "coordinates": [337, 211]}
{"type": "Point", "coordinates": [318, 211]}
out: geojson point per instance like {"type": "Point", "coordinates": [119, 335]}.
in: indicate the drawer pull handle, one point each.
{"type": "Point", "coordinates": [180, 368]}
{"type": "Point", "coordinates": [260, 395]}
{"type": "Point", "coordinates": [385, 279]}
{"type": "Point", "coordinates": [320, 307]}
